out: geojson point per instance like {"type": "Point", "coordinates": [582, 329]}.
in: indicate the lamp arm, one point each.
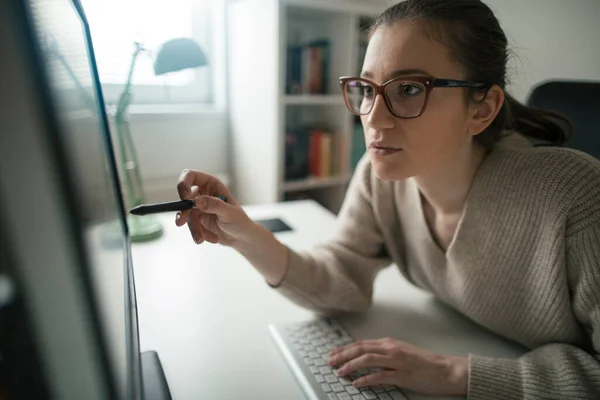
{"type": "Point", "coordinates": [131, 173]}
{"type": "Point", "coordinates": [125, 96]}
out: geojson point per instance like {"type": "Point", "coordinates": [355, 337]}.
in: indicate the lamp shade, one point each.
{"type": "Point", "coordinates": [177, 54]}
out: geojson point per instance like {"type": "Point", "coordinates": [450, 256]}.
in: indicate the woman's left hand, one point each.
{"type": "Point", "coordinates": [404, 365]}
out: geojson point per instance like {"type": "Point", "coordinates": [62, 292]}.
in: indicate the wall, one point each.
{"type": "Point", "coordinates": [168, 142]}
{"type": "Point", "coordinates": [551, 39]}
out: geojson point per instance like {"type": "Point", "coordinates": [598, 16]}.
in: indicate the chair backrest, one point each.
{"type": "Point", "coordinates": [579, 101]}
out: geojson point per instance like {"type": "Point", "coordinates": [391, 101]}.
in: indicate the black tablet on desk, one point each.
{"type": "Point", "coordinates": [274, 224]}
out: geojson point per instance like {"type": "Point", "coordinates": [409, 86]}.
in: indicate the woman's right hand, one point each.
{"type": "Point", "coordinates": [212, 220]}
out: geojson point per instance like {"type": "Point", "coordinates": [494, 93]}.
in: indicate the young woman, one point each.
{"type": "Point", "coordinates": [454, 194]}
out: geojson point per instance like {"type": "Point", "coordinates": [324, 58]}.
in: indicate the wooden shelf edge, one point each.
{"type": "Point", "coordinates": [315, 183]}
{"type": "Point", "coordinates": [342, 6]}
{"type": "Point", "coordinates": [314, 99]}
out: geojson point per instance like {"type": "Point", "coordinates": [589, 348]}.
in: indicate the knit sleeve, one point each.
{"type": "Point", "coordinates": [555, 371]}
{"type": "Point", "coordinates": [338, 275]}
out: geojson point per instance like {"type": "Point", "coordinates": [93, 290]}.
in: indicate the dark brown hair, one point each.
{"type": "Point", "coordinates": [478, 43]}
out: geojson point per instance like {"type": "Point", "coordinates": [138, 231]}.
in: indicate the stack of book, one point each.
{"type": "Point", "coordinates": [315, 153]}
{"type": "Point", "coordinates": [308, 67]}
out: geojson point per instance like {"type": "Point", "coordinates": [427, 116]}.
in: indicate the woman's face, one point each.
{"type": "Point", "coordinates": [433, 140]}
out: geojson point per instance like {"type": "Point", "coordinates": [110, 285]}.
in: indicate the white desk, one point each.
{"type": "Point", "coordinates": [205, 310]}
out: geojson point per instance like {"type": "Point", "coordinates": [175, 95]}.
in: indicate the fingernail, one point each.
{"type": "Point", "coordinates": [197, 239]}
{"type": "Point", "coordinates": [177, 217]}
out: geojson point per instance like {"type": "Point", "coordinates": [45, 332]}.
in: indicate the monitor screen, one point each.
{"type": "Point", "coordinates": [61, 31]}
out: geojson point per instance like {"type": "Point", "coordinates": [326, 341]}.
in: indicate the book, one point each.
{"type": "Point", "coordinates": [307, 68]}
{"type": "Point", "coordinates": [296, 154]}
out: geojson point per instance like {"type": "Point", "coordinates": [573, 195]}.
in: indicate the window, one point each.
{"type": "Point", "coordinates": [117, 24]}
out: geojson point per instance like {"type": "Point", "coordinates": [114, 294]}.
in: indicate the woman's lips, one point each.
{"type": "Point", "coordinates": [380, 150]}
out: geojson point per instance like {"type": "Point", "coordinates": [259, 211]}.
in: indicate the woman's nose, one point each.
{"type": "Point", "coordinates": [380, 116]}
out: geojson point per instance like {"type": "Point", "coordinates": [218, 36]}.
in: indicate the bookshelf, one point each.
{"type": "Point", "coordinates": [291, 134]}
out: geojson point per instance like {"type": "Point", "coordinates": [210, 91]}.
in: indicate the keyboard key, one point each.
{"type": "Point", "coordinates": [319, 362]}
{"type": "Point", "coordinates": [389, 387]}
{"type": "Point", "coordinates": [325, 370]}
{"type": "Point", "coordinates": [331, 378]}
{"type": "Point", "coordinates": [344, 381]}
{"type": "Point", "coordinates": [384, 396]}
{"type": "Point", "coordinates": [337, 387]}
{"type": "Point", "coordinates": [352, 390]}
{"type": "Point", "coordinates": [358, 397]}
{"type": "Point", "coordinates": [369, 394]}
{"type": "Point", "coordinates": [332, 396]}
{"type": "Point", "coordinates": [327, 388]}
{"type": "Point", "coordinates": [378, 389]}
{"type": "Point", "coordinates": [344, 396]}
{"type": "Point", "coordinates": [397, 395]}
{"type": "Point", "coordinates": [320, 378]}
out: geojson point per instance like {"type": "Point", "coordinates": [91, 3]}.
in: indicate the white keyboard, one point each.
{"type": "Point", "coordinates": [305, 346]}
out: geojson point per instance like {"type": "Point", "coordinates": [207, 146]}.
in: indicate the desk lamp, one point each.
{"type": "Point", "coordinates": [174, 55]}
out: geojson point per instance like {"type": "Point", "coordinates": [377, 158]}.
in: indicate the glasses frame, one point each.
{"type": "Point", "coordinates": [428, 81]}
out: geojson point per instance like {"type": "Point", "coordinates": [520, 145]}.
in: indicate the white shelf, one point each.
{"type": "Point", "coordinates": [315, 183]}
{"type": "Point", "coordinates": [260, 127]}
{"type": "Point", "coordinates": [314, 99]}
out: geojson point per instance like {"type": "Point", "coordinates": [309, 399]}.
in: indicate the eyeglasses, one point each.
{"type": "Point", "coordinates": [405, 97]}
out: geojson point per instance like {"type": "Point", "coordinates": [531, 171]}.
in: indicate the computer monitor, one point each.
{"type": "Point", "coordinates": [68, 314]}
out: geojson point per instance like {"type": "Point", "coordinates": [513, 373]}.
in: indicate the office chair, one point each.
{"type": "Point", "coordinates": [579, 101]}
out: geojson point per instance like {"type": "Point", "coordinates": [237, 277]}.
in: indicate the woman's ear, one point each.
{"type": "Point", "coordinates": [485, 110]}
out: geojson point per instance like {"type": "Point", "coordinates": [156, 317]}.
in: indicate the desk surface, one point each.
{"type": "Point", "coordinates": [206, 311]}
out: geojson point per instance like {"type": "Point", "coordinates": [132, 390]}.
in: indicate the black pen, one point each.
{"type": "Point", "coordinates": [181, 205]}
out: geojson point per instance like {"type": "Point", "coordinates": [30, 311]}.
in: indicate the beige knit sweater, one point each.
{"type": "Point", "coordinates": [524, 262]}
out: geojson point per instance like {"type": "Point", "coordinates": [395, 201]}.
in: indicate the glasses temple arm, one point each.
{"type": "Point", "coordinates": [456, 83]}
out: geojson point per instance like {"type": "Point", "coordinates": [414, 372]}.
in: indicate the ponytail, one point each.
{"type": "Point", "coordinates": [542, 126]}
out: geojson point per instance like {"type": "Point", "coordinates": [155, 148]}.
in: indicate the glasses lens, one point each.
{"type": "Point", "coordinates": [406, 98]}
{"type": "Point", "coordinates": [360, 96]}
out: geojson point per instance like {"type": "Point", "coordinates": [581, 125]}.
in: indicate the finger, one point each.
{"type": "Point", "coordinates": [349, 345]}
{"type": "Point", "coordinates": [182, 216]}
{"type": "Point", "coordinates": [353, 350]}
{"type": "Point", "coordinates": [211, 237]}
{"type": "Point", "coordinates": [369, 360]}
{"type": "Point", "coordinates": [376, 378]}
{"type": "Point", "coordinates": [188, 179]}
{"type": "Point", "coordinates": [214, 205]}
{"type": "Point", "coordinates": [178, 220]}
{"type": "Point", "coordinates": [209, 223]}
{"type": "Point", "coordinates": [195, 227]}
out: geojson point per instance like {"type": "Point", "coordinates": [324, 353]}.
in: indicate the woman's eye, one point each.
{"type": "Point", "coordinates": [409, 90]}
{"type": "Point", "coordinates": [368, 91]}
